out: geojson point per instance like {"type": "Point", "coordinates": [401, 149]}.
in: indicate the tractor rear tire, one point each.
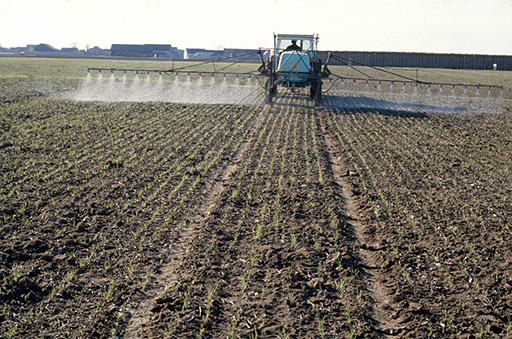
{"type": "Point", "coordinates": [316, 93]}
{"type": "Point", "coordinates": [269, 91]}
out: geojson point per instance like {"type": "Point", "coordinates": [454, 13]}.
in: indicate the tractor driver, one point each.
{"type": "Point", "coordinates": [293, 46]}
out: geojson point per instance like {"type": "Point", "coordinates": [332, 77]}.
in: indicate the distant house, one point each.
{"type": "Point", "coordinates": [18, 50]}
{"type": "Point", "coordinates": [201, 53]}
{"type": "Point", "coordinates": [70, 51]}
{"type": "Point", "coordinates": [161, 51]}
{"type": "Point", "coordinates": [145, 51]}
{"type": "Point", "coordinates": [190, 52]}
{"type": "Point", "coordinates": [177, 53]}
{"type": "Point", "coordinates": [245, 54]}
{"type": "Point", "coordinates": [43, 49]}
{"type": "Point", "coordinates": [227, 53]}
{"type": "Point", "coordinates": [96, 51]}
{"type": "Point", "coordinates": [134, 51]}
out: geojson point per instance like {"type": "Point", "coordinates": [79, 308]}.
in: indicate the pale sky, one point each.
{"type": "Point", "coordinates": [448, 26]}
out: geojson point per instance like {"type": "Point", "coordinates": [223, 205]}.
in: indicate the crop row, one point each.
{"type": "Point", "coordinates": [95, 240]}
{"type": "Point", "coordinates": [272, 258]}
{"type": "Point", "coordinates": [437, 189]}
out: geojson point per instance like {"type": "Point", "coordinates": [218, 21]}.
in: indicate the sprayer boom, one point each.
{"type": "Point", "coordinates": [417, 82]}
{"type": "Point", "coordinates": [168, 71]}
{"type": "Point", "coordinates": [294, 66]}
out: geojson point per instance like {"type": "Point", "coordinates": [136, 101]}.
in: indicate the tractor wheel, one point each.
{"type": "Point", "coordinates": [316, 93]}
{"type": "Point", "coordinates": [269, 91]}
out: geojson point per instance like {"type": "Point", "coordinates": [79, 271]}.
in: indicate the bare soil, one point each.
{"type": "Point", "coordinates": [171, 220]}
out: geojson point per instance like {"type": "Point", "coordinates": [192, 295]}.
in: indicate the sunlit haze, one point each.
{"type": "Point", "coordinates": [447, 26]}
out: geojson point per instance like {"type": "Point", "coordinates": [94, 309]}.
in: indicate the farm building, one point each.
{"type": "Point", "coordinates": [201, 53]}
{"type": "Point", "coordinates": [146, 51]}
{"type": "Point", "coordinates": [70, 51]}
{"type": "Point", "coordinates": [96, 51]}
{"type": "Point", "coordinates": [41, 49]}
{"type": "Point", "coordinates": [245, 54]}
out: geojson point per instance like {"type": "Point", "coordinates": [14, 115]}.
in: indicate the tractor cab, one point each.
{"type": "Point", "coordinates": [294, 57]}
{"type": "Point", "coordinates": [305, 43]}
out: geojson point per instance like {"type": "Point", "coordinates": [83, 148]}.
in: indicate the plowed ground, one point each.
{"type": "Point", "coordinates": [170, 220]}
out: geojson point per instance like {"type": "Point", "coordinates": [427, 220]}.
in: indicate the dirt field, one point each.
{"type": "Point", "coordinates": [213, 221]}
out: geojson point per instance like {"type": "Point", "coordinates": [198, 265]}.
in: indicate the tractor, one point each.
{"type": "Point", "coordinates": [294, 64]}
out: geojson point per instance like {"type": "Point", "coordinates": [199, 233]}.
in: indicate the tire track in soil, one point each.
{"type": "Point", "coordinates": [141, 314]}
{"type": "Point", "coordinates": [383, 313]}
